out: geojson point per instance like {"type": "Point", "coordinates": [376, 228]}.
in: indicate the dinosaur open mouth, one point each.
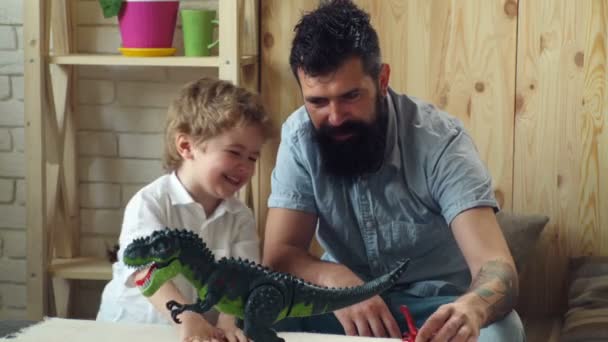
{"type": "Point", "coordinates": [146, 280]}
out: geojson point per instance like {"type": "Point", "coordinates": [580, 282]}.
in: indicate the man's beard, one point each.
{"type": "Point", "coordinates": [360, 154]}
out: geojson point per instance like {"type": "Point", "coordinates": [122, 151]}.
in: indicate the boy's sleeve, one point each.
{"type": "Point", "coordinates": [457, 178]}
{"type": "Point", "coordinates": [291, 183]}
{"type": "Point", "coordinates": [246, 243]}
{"type": "Point", "coordinates": [142, 217]}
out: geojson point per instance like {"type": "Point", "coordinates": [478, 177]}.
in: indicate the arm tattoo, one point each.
{"type": "Point", "coordinates": [496, 285]}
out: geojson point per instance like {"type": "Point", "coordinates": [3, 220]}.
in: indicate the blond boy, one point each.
{"type": "Point", "coordinates": [213, 136]}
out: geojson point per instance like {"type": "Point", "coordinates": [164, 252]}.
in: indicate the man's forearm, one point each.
{"type": "Point", "coordinates": [300, 263]}
{"type": "Point", "coordinates": [496, 285]}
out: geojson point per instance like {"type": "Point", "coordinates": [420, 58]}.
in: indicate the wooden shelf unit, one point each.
{"type": "Point", "coordinates": [174, 61]}
{"type": "Point", "coordinates": [52, 205]}
{"type": "Point", "coordinates": [84, 268]}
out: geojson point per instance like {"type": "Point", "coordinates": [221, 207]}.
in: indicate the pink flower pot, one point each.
{"type": "Point", "coordinates": [148, 23]}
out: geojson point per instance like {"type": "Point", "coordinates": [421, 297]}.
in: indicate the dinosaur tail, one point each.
{"type": "Point", "coordinates": [310, 299]}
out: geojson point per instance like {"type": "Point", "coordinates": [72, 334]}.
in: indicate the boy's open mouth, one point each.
{"type": "Point", "coordinates": [233, 180]}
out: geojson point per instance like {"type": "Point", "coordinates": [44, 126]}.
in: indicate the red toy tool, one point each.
{"type": "Point", "coordinates": [411, 335]}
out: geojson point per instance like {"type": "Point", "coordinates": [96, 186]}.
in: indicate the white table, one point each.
{"type": "Point", "coordinates": [73, 330]}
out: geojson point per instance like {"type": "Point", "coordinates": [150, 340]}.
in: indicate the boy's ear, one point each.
{"type": "Point", "coordinates": [184, 146]}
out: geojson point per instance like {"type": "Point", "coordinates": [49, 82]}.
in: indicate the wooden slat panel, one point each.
{"type": "Point", "coordinates": [459, 55]}
{"type": "Point", "coordinates": [36, 41]}
{"type": "Point", "coordinates": [249, 17]}
{"type": "Point", "coordinates": [229, 67]}
{"type": "Point", "coordinates": [66, 230]}
{"type": "Point", "coordinates": [561, 142]}
{"type": "Point", "coordinates": [250, 79]}
{"type": "Point", "coordinates": [279, 88]}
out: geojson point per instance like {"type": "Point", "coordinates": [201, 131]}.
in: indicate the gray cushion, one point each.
{"type": "Point", "coordinates": [587, 315]}
{"type": "Point", "coordinates": [522, 233]}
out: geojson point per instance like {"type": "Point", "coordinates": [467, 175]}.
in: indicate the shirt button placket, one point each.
{"type": "Point", "coordinates": [367, 223]}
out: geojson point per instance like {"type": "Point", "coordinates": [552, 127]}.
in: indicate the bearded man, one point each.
{"type": "Point", "coordinates": [382, 177]}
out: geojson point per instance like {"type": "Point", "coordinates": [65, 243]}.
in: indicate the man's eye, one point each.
{"type": "Point", "coordinates": [253, 159]}
{"type": "Point", "coordinates": [236, 153]}
{"type": "Point", "coordinates": [351, 96]}
{"type": "Point", "coordinates": [318, 102]}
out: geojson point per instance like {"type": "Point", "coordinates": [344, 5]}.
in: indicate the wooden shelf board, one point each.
{"type": "Point", "coordinates": [173, 61]}
{"type": "Point", "coordinates": [81, 268]}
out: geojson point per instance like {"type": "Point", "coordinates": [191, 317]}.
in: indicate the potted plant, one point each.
{"type": "Point", "coordinates": [146, 26]}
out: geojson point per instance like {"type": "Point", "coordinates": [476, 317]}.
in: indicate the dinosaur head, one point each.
{"type": "Point", "coordinates": [165, 254]}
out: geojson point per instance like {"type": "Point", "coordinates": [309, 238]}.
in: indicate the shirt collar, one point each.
{"type": "Point", "coordinates": [391, 151]}
{"type": "Point", "coordinates": [177, 191]}
{"type": "Point", "coordinates": [180, 196]}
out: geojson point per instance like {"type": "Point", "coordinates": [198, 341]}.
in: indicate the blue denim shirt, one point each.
{"type": "Point", "coordinates": [431, 173]}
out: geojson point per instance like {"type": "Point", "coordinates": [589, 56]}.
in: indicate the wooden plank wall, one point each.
{"type": "Point", "coordinates": [561, 137]}
{"type": "Point", "coordinates": [278, 87]}
{"type": "Point", "coordinates": [528, 79]}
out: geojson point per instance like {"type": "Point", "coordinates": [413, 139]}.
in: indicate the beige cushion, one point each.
{"type": "Point", "coordinates": [522, 233]}
{"type": "Point", "coordinates": [587, 315]}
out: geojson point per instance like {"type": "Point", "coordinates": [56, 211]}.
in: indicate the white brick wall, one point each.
{"type": "Point", "coordinates": [17, 88]}
{"type": "Point", "coordinates": [5, 140]}
{"type": "Point", "coordinates": [100, 195]}
{"type": "Point", "coordinates": [11, 113]}
{"type": "Point", "coordinates": [13, 244]}
{"type": "Point", "coordinates": [97, 144]}
{"type": "Point", "coordinates": [8, 38]}
{"type": "Point", "coordinates": [7, 191]}
{"type": "Point", "coordinates": [12, 163]}
{"type": "Point", "coordinates": [5, 88]}
{"type": "Point", "coordinates": [17, 139]}
{"type": "Point", "coordinates": [129, 145]}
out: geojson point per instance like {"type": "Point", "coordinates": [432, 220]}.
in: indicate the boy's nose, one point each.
{"type": "Point", "coordinates": [246, 168]}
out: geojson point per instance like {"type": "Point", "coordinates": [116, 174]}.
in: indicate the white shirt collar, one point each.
{"type": "Point", "coordinates": [180, 196]}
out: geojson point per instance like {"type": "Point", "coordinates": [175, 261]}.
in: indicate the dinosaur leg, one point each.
{"type": "Point", "coordinates": [239, 323]}
{"type": "Point", "coordinates": [200, 307]}
{"type": "Point", "coordinates": [263, 306]}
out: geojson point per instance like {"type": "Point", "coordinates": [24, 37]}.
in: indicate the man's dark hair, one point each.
{"type": "Point", "coordinates": [326, 37]}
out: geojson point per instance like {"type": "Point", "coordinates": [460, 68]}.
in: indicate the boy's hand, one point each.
{"type": "Point", "coordinates": [232, 332]}
{"type": "Point", "coordinates": [195, 328]}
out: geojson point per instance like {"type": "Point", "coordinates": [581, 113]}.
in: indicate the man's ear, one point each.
{"type": "Point", "coordinates": [383, 78]}
{"type": "Point", "coordinates": [184, 146]}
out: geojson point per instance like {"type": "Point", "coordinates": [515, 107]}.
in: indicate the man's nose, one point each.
{"type": "Point", "coordinates": [337, 114]}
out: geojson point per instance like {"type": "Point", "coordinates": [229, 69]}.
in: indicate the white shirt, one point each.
{"type": "Point", "coordinates": [230, 231]}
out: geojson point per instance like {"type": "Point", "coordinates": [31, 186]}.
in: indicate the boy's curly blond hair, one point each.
{"type": "Point", "coordinates": [208, 107]}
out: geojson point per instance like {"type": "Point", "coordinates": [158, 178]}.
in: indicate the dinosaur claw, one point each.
{"type": "Point", "coordinates": [173, 304]}
{"type": "Point", "coordinates": [174, 314]}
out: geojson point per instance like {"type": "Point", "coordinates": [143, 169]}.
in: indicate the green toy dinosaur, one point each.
{"type": "Point", "coordinates": [256, 295]}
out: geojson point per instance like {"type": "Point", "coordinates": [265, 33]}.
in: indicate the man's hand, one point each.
{"type": "Point", "coordinates": [454, 322]}
{"type": "Point", "coordinates": [369, 318]}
